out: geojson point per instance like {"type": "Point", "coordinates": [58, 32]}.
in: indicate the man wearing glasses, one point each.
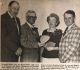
{"type": "Point", "coordinates": [30, 38]}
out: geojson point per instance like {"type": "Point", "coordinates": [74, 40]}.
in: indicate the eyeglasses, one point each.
{"type": "Point", "coordinates": [32, 16]}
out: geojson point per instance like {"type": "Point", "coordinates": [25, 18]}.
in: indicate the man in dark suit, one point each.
{"type": "Point", "coordinates": [10, 34]}
{"type": "Point", "coordinates": [30, 38]}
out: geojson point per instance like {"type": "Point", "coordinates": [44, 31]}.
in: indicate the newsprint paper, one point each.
{"type": "Point", "coordinates": [35, 39]}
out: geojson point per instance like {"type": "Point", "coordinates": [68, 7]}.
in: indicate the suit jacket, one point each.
{"type": "Point", "coordinates": [29, 41]}
{"type": "Point", "coordinates": [29, 37]}
{"type": "Point", "coordinates": [10, 38]}
{"type": "Point", "coordinates": [69, 47]}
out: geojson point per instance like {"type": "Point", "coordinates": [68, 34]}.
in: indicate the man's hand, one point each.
{"type": "Point", "coordinates": [18, 52]}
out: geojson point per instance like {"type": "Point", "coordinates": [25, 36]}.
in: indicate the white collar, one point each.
{"type": "Point", "coordinates": [31, 26]}
{"type": "Point", "coordinates": [70, 26]}
{"type": "Point", "coordinates": [10, 14]}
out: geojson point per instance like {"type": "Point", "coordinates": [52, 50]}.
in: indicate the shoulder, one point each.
{"type": "Point", "coordinates": [58, 30]}
{"type": "Point", "coordinates": [76, 29]}
{"type": "Point", "coordinates": [4, 15]}
{"type": "Point", "coordinates": [44, 31]}
{"type": "Point", "coordinates": [24, 26]}
{"type": "Point", "coordinates": [5, 18]}
{"type": "Point", "coordinates": [18, 18]}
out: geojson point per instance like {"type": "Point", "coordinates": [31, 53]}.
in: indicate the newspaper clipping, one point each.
{"type": "Point", "coordinates": [40, 35]}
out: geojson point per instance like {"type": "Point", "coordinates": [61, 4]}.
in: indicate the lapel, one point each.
{"type": "Point", "coordinates": [32, 32]}
{"type": "Point", "coordinates": [10, 19]}
{"type": "Point", "coordinates": [69, 31]}
{"type": "Point", "coordinates": [28, 29]}
{"type": "Point", "coordinates": [11, 23]}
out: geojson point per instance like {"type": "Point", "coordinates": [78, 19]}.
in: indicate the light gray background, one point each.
{"type": "Point", "coordinates": [43, 8]}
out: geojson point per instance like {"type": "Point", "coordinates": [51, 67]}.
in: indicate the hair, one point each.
{"type": "Point", "coordinates": [31, 11]}
{"type": "Point", "coordinates": [70, 12]}
{"type": "Point", "coordinates": [12, 3]}
{"type": "Point", "coordinates": [56, 16]}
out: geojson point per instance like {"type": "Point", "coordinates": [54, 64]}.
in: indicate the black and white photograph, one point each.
{"type": "Point", "coordinates": [41, 31]}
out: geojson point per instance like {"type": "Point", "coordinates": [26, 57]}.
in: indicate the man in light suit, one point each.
{"type": "Point", "coordinates": [10, 34]}
{"type": "Point", "coordinates": [69, 47]}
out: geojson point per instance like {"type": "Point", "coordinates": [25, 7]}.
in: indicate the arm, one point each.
{"type": "Point", "coordinates": [39, 43]}
{"type": "Point", "coordinates": [24, 36]}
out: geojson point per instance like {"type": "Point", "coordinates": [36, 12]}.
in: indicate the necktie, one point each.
{"type": "Point", "coordinates": [65, 31]}
{"type": "Point", "coordinates": [15, 22]}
